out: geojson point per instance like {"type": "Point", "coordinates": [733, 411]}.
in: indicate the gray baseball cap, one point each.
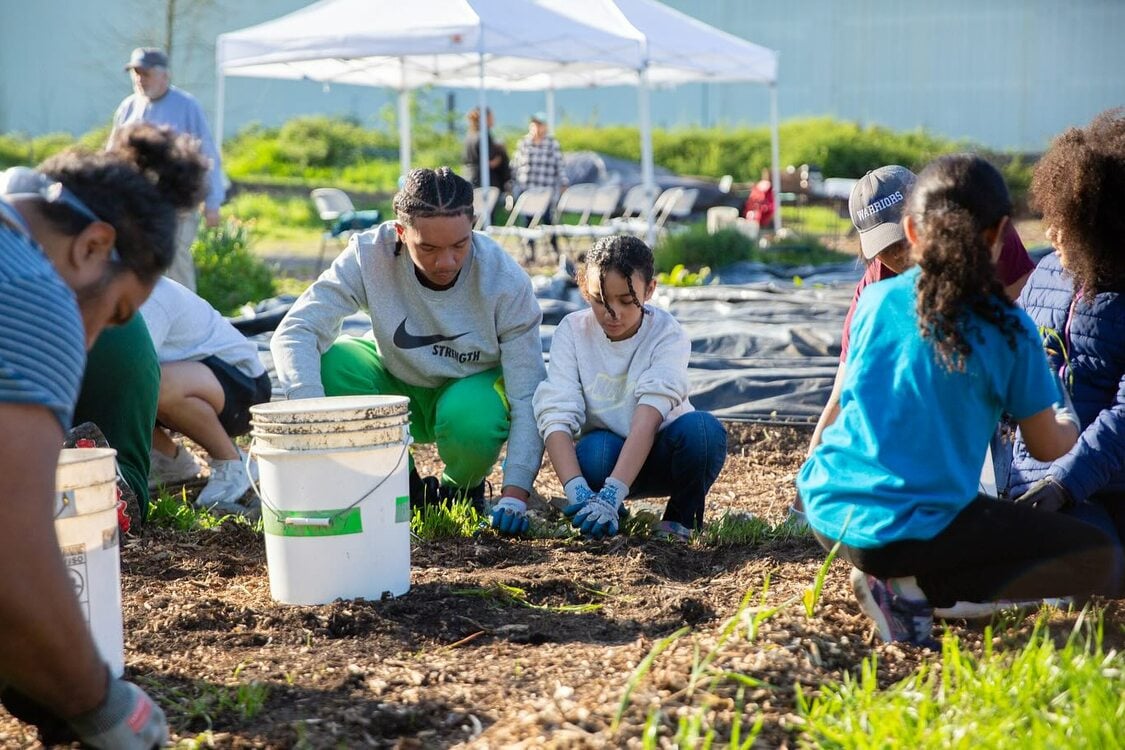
{"type": "Point", "coordinates": [876, 206]}
{"type": "Point", "coordinates": [147, 57]}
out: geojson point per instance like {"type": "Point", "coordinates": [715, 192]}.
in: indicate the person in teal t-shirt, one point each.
{"type": "Point", "coordinates": [936, 355]}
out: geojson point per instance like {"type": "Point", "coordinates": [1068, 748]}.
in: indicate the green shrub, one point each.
{"type": "Point", "coordinates": [227, 273]}
{"type": "Point", "coordinates": [695, 249]}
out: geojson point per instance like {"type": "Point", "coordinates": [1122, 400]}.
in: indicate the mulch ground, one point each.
{"type": "Point", "coordinates": [457, 663]}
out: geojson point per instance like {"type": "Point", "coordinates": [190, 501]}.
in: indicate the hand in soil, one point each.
{"type": "Point", "coordinates": [509, 516]}
{"type": "Point", "coordinates": [598, 518]}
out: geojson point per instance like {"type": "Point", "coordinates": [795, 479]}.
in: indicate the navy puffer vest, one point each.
{"type": "Point", "coordinates": [1086, 344]}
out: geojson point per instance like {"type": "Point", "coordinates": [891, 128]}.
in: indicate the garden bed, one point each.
{"type": "Point", "coordinates": [512, 643]}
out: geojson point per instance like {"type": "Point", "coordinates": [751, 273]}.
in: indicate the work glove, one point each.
{"type": "Point", "coordinates": [53, 730]}
{"type": "Point", "coordinates": [1046, 494]}
{"type": "Point", "coordinates": [126, 720]}
{"type": "Point", "coordinates": [578, 493]}
{"type": "Point", "coordinates": [599, 517]}
{"type": "Point", "coordinates": [509, 516]}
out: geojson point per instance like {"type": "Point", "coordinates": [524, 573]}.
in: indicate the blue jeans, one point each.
{"type": "Point", "coordinates": [684, 462]}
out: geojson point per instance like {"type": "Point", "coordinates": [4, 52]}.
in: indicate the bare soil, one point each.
{"type": "Point", "coordinates": [445, 666]}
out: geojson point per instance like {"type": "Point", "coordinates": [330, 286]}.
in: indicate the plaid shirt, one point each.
{"type": "Point", "coordinates": [539, 164]}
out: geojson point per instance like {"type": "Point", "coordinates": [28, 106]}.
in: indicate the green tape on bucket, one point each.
{"type": "Point", "coordinates": [312, 522]}
{"type": "Point", "coordinates": [402, 509]}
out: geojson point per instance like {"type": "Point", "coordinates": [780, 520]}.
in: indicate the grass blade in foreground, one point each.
{"type": "Point", "coordinates": [1042, 696]}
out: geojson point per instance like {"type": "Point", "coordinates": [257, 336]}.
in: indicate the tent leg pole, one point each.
{"type": "Point", "coordinates": [404, 131]}
{"type": "Point", "coordinates": [644, 110]}
{"type": "Point", "coordinates": [551, 109]}
{"type": "Point", "coordinates": [485, 135]}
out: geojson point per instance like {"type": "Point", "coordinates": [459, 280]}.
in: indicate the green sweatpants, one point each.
{"type": "Point", "coordinates": [467, 418]}
{"type": "Point", "coordinates": [119, 392]}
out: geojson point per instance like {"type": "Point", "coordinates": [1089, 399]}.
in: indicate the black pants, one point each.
{"type": "Point", "coordinates": [997, 550]}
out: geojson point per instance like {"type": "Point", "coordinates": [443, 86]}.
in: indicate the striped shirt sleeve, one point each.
{"type": "Point", "coordinates": [42, 344]}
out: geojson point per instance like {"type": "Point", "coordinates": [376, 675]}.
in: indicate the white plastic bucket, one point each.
{"type": "Point", "coordinates": [86, 527]}
{"type": "Point", "coordinates": [335, 504]}
{"type": "Point", "coordinates": [331, 409]}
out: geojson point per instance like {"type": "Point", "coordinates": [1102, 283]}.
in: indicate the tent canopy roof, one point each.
{"type": "Point", "coordinates": [405, 45]}
{"type": "Point", "coordinates": [529, 46]}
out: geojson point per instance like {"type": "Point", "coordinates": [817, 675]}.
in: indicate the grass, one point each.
{"type": "Point", "coordinates": [174, 511]}
{"type": "Point", "coordinates": [1041, 695]}
{"type": "Point", "coordinates": [505, 594]}
{"type": "Point", "coordinates": [446, 521]}
{"type": "Point", "coordinates": [816, 220]}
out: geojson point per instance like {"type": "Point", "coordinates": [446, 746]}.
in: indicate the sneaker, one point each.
{"type": "Point", "coordinates": [671, 531]}
{"type": "Point", "coordinates": [986, 610]}
{"type": "Point", "coordinates": [176, 470]}
{"type": "Point", "coordinates": [896, 617]}
{"type": "Point", "coordinates": [797, 514]}
{"type": "Point", "coordinates": [242, 455]}
{"type": "Point", "coordinates": [226, 486]}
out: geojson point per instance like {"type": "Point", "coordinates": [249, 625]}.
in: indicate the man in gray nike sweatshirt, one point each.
{"type": "Point", "coordinates": [455, 327]}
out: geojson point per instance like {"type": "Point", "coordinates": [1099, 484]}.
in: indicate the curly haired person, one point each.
{"type": "Point", "coordinates": [937, 354]}
{"type": "Point", "coordinates": [1076, 297]}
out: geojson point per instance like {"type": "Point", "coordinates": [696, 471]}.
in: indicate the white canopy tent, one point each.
{"type": "Point", "coordinates": [406, 45]}
{"type": "Point", "coordinates": [677, 49]}
{"type": "Point", "coordinates": [498, 44]}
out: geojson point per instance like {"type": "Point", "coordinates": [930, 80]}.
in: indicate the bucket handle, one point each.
{"type": "Point", "coordinates": [327, 520]}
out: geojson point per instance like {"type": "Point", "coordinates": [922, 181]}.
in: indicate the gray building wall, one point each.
{"type": "Point", "coordinates": [1006, 73]}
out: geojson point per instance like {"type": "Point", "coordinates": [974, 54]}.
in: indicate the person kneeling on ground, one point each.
{"type": "Point", "coordinates": [876, 206]}
{"type": "Point", "coordinates": [82, 239]}
{"type": "Point", "coordinates": [210, 376]}
{"type": "Point", "coordinates": [943, 349]}
{"type": "Point", "coordinates": [1077, 298]}
{"type": "Point", "coordinates": [455, 325]}
{"type": "Point", "coordinates": [618, 384]}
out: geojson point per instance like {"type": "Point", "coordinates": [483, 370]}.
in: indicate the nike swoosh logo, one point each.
{"type": "Point", "coordinates": [404, 340]}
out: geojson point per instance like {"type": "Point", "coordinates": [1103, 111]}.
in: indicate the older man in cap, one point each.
{"type": "Point", "coordinates": [155, 100]}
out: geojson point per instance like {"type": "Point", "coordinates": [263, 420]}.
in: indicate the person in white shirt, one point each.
{"type": "Point", "coordinates": [210, 376]}
{"type": "Point", "coordinates": [614, 410]}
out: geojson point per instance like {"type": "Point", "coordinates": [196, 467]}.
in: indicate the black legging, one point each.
{"type": "Point", "coordinates": [999, 550]}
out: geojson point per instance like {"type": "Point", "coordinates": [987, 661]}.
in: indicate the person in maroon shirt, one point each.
{"type": "Point", "coordinates": [876, 205]}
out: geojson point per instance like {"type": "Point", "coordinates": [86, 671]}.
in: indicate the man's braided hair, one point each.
{"type": "Point", "coordinates": [433, 192]}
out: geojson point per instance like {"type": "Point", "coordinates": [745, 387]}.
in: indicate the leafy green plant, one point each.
{"type": "Point", "coordinates": [680, 276]}
{"type": "Point", "coordinates": [228, 275]}
{"type": "Point", "coordinates": [696, 249]}
{"type": "Point", "coordinates": [446, 520]}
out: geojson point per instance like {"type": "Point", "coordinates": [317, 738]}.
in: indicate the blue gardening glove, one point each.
{"type": "Point", "coordinates": [599, 517]}
{"type": "Point", "coordinates": [578, 493]}
{"type": "Point", "coordinates": [126, 720]}
{"type": "Point", "coordinates": [1046, 494]}
{"type": "Point", "coordinates": [509, 516]}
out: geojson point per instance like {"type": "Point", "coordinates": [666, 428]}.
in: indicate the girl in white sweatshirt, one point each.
{"type": "Point", "coordinates": [614, 410]}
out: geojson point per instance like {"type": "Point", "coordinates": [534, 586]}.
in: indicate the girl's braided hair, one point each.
{"type": "Point", "coordinates": [1079, 186]}
{"type": "Point", "coordinates": [138, 186]}
{"type": "Point", "coordinates": [624, 254]}
{"type": "Point", "coordinates": [955, 200]}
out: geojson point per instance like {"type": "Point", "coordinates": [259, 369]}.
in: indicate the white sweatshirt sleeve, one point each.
{"type": "Point", "coordinates": [559, 401]}
{"type": "Point", "coordinates": [663, 384]}
{"type": "Point", "coordinates": [314, 321]}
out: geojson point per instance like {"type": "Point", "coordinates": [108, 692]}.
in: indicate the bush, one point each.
{"type": "Point", "coordinates": [227, 274]}
{"type": "Point", "coordinates": [695, 249]}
